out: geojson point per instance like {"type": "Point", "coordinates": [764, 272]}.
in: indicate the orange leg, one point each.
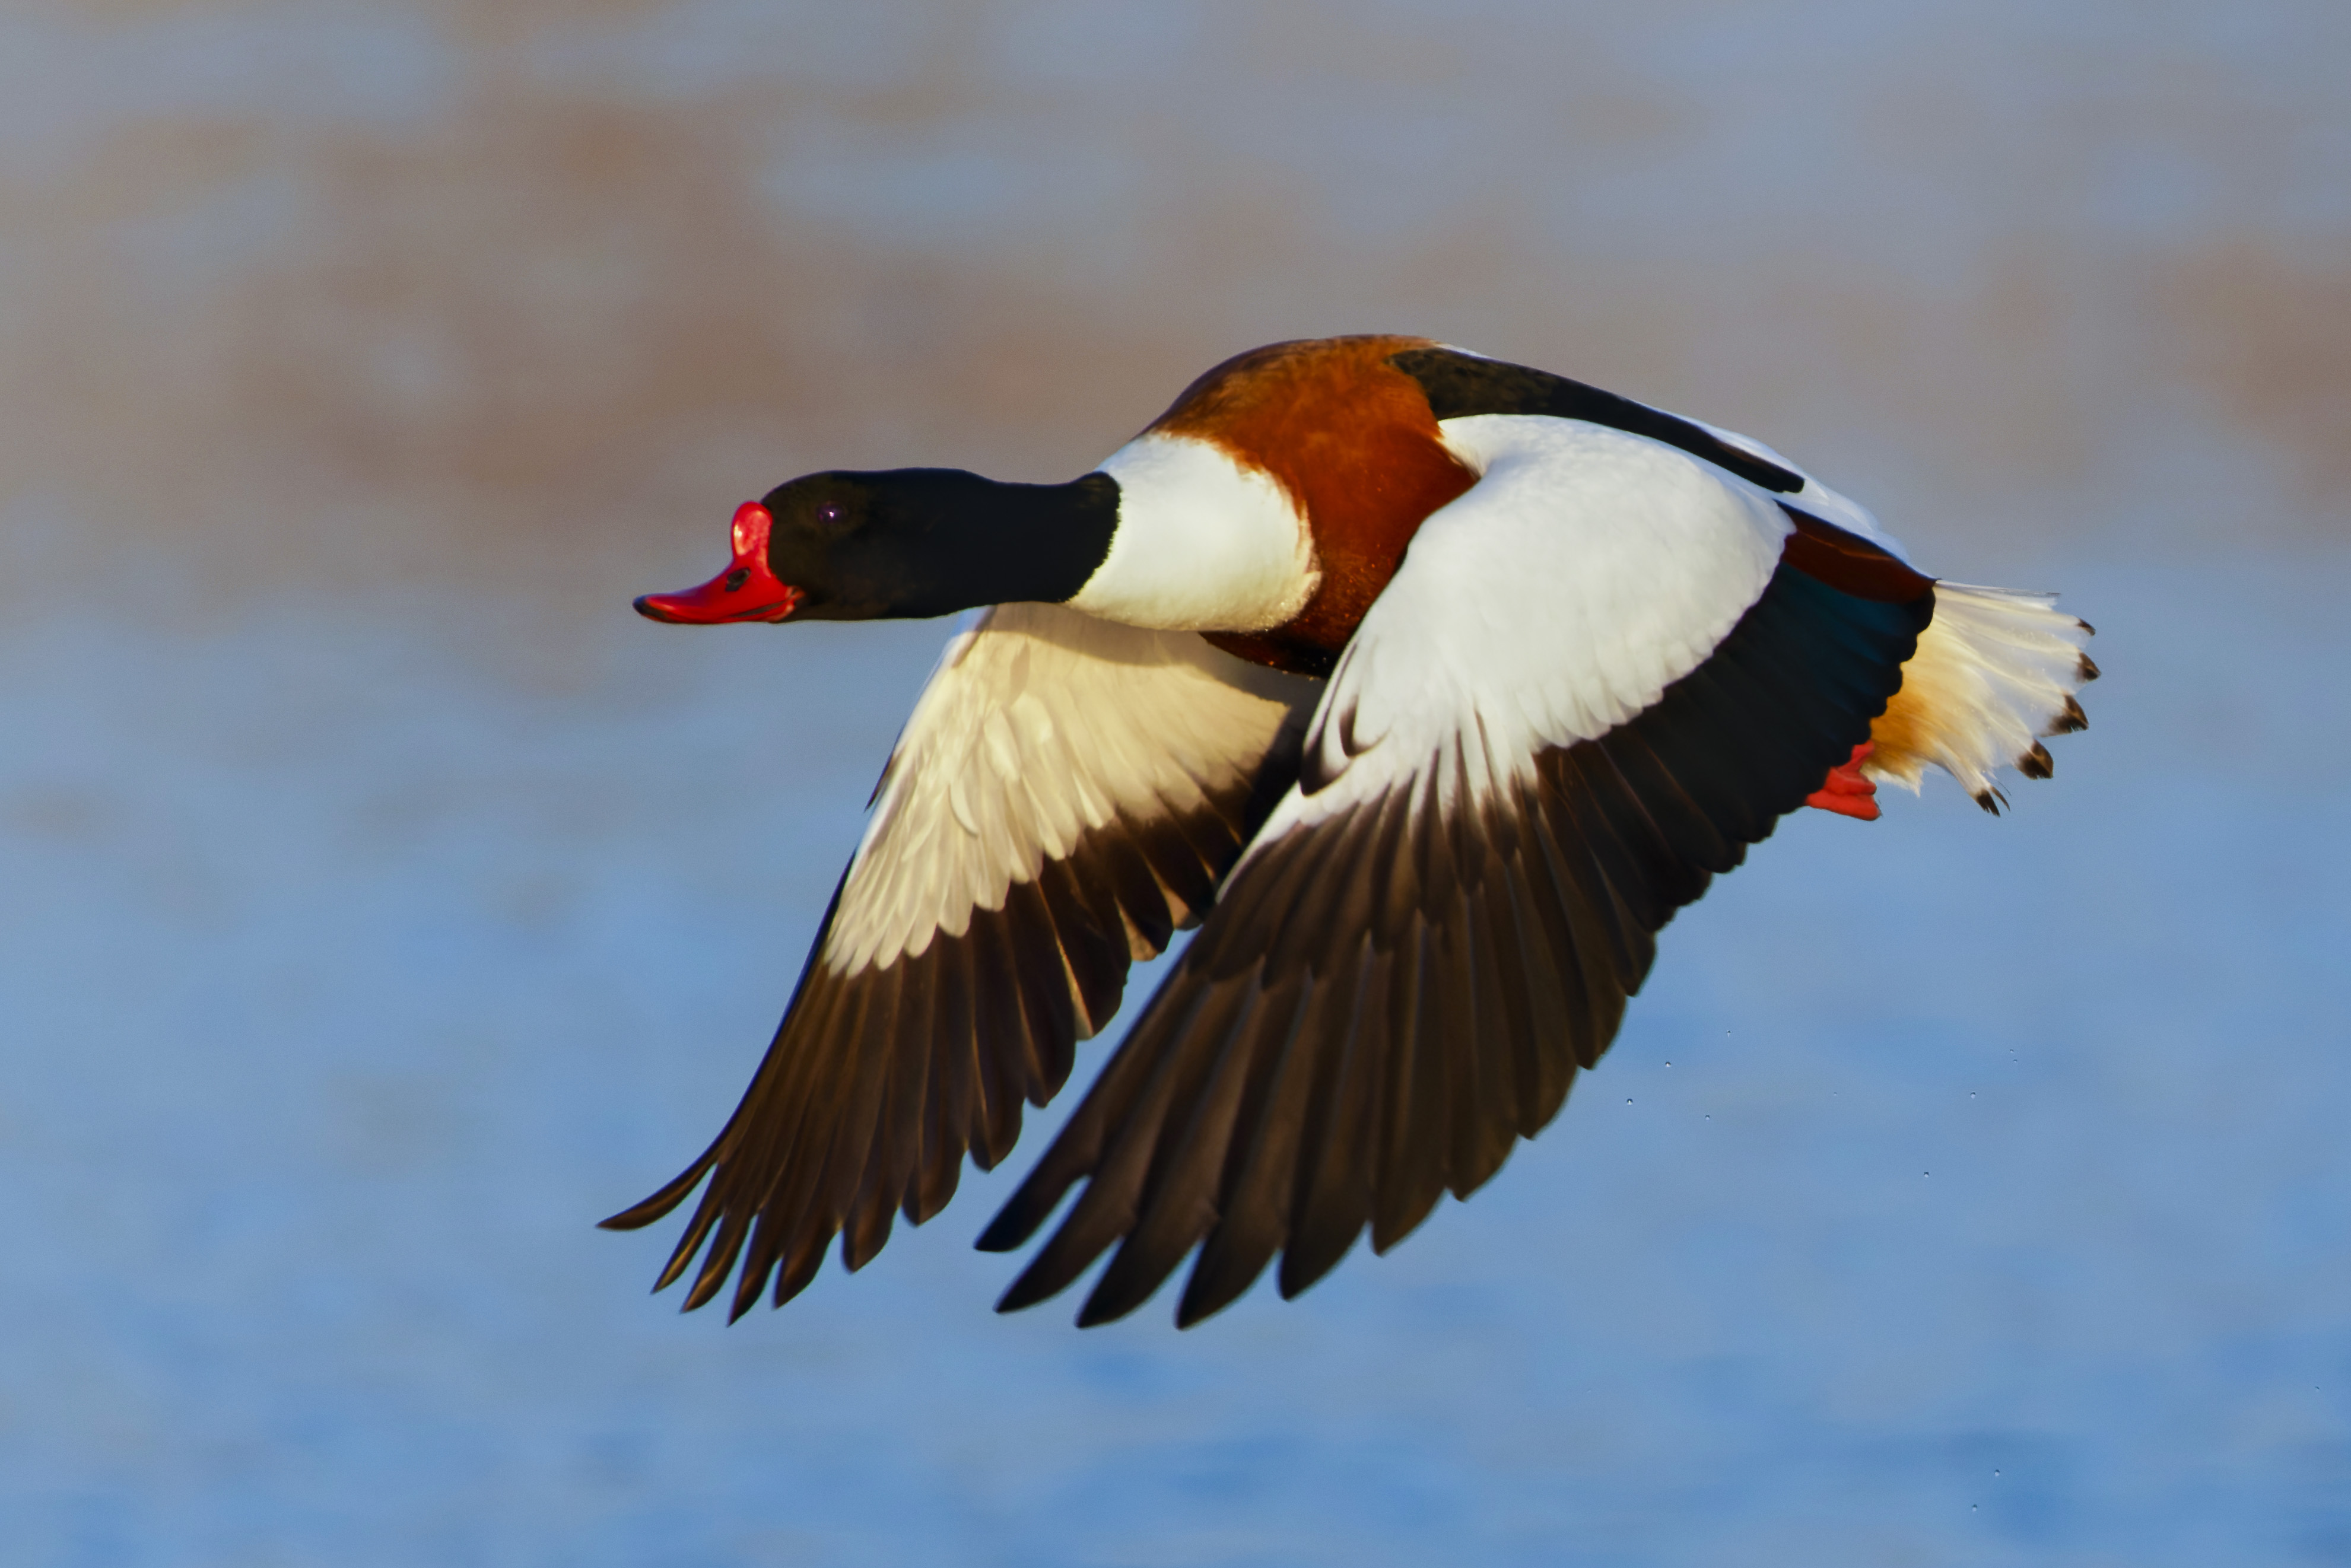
{"type": "Point", "coordinates": [1845, 792]}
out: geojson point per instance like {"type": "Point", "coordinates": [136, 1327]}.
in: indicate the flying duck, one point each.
{"type": "Point", "coordinates": [1427, 686]}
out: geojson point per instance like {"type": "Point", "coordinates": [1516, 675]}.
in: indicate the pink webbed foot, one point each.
{"type": "Point", "coordinates": [1845, 792]}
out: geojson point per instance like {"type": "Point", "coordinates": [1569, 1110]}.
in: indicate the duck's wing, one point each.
{"type": "Point", "coordinates": [1599, 676]}
{"type": "Point", "coordinates": [1837, 538]}
{"type": "Point", "coordinates": [1067, 794]}
{"type": "Point", "coordinates": [1995, 673]}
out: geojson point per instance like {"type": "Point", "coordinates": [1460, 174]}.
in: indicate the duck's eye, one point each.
{"type": "Point", "coordinates": [828, 515]}
{"type": "Point", "coordinates": [737, 578]}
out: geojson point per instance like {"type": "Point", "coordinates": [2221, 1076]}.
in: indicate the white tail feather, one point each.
{"type": "Point", "coordinates": [1994, 672]}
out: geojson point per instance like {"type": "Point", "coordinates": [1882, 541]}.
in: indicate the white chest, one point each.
{"type": "Point", "coordinates": [1202, 544]}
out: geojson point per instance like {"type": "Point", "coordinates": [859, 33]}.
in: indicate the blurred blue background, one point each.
{"type": "Point", "coordinates": [385, 903]}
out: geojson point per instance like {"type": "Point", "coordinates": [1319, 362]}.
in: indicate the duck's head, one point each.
{"type": "Point", "coordinates": [906, 542]}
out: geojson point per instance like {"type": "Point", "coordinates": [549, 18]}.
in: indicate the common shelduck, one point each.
{"type": "Point", "coordinates": [1427, 685]}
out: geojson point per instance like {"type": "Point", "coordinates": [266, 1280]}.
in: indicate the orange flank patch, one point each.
{"type": "Point", "coordinates": [1352, 439]}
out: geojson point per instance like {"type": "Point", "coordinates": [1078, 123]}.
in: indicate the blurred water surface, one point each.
{"type": "Point", "coordinates": [387, 903]}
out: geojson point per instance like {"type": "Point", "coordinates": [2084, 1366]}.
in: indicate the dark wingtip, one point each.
{"type": "Point", "coordinates": [644, 1212]}
{"type": "Point", "coordinates": [1301, 1269]}
{"type": "Point", "coordinates": [1007, 1230]}
{"type": "Point", "coordinates": [1025, 1292]}
{"type": "Point", "coordinates": [706, 1286]}
{"type": "Point", "coordinates": [1096, 1311]}
{"type": "Point", "coordinates": [1028, 1208]}
{"type": "Point", "coordinates": [674, 1270]}
{"type": "Point", "coordinates": [1194, 1310]}
{"type": "Point", "coordinates": [2088, 669]}
{"type": "Point", "coordinates": [1054, 1269]}
{"type": "Point", "coordinates": [1226, 1270]}
{"type": "Point", "coordinates": [2036, 762]}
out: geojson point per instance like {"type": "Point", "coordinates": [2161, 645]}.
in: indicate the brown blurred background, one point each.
{"type": "Point", "coordinates": [525, 295]}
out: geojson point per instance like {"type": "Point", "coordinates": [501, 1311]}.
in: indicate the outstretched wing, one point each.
{"type": "Point", "coordinates": [1599, 676]}
{"type": "Point", "coordinates": [1067, 794]}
